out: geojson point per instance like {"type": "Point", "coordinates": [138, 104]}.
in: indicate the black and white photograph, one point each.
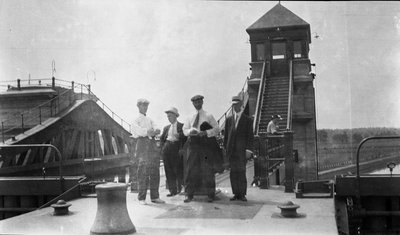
{"type": "Point", "coordinates": [175, 117]}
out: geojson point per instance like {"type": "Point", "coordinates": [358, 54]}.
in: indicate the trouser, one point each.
{"type": "Point", "coordinates": [238, 176]}
{"type": "Point", "coordinates": [148, 169]}
{"type": "Point", "coordinates": [199, 170]}
{"type": "Point", "coordinates": [173, 165]}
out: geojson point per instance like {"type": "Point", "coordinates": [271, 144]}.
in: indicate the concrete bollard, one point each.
{"type": "Point", "coordinates": [112, 215]}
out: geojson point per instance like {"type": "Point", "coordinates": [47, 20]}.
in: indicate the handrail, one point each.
{"type": "Point", "coordinates": [40, 82]}
{"type": "Point", "coordinates": [42, 145]}
{"type": "Point", "coordinates": [70, 88]}
{"type": "Point", "coordinates": [36, 107]}
{"type": "Point", "coordinates": [358, 156]}
{"type": "Point", "coordinates": [244, 89]}
{"type": "Point", "coordinates": [259, 97]}
{"type": "Point", "coordinates": [62, 194]}
{"type": "Point", "coordinates": [289, 113]}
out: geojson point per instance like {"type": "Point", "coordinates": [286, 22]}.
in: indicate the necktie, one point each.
{"type": "Point", "coordinates": [196, 121]}
{"type": "Point", "coordinates": [173, 130]}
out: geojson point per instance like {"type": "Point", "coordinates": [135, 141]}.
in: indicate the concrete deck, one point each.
{"type": "Point", "coordinates": [259, 215]}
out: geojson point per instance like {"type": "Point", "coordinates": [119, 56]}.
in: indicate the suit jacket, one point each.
{"type": "Point", "coordinates": [164, 135]}
{"type": "Point", "coordinates": [237, 140]}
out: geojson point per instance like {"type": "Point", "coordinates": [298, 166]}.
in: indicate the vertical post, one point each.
{"type": "Point", "coordinates": [19, 84]}
{"type": "Point", "coordinates": [40, 114]}
{"type": "Point", "coordinates": [2, 130]}
{"type": "Point", "coordinates": [22, 122]}
{"type": "Point", "coordinates": [263, 162]}
{"type": "Point", "coordinates": [53, 82]}
{"type": "Point", "coordinates": [81, 92]}
{"type": "Point", "coordinates": [58, 103]}
{"type": "Point", "coordinates": [72, 97]}
{"type": "Point", "coordinates": [51, 108]}
{"type": "Point", "coordinates": [289, 162]}
{"type": "Point", "coordinates": [89, 89]}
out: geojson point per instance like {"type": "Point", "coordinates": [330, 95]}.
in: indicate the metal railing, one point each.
{"type": "Point", "coordinates": [358, 157]}
{"type": "Point", "coordinates": [257, 114]}
{"type": "Point", "coordinates": [19, 122]}
{"type": "Point", "coordinates": [243, 92]}
{"type": "Point", "coordinates": [272, 151]}
{"type": "Point", "coordinates": [289, 112]}
{"type": "Point", "coordinates": [28, 146]}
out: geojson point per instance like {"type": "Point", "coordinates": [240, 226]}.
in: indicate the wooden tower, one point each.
{"type": "Point", "coordinates": [282, 83]}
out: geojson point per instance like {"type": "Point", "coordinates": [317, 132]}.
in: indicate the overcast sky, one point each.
{"type": "Point", "coordinates": [168, 51]}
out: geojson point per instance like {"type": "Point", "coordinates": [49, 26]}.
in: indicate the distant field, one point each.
{"type": "Point", "coordinates": [339, 147]}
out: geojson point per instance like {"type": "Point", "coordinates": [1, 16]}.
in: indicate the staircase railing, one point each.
{"type": "Point", "coordinates": [272, 151]}
{"type": "Point", "coordinates": [36, 115]}
{"type": "Point", "coordinates": [50, 108]}
{"type": "Point", "coordinates": [221, 120]}
{"type": "Point", "coordinates": [290, 101]}
{"type": "Point", "coordinates": [260, 96]}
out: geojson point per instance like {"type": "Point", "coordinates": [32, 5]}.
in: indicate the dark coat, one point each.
{"type": "Point", "coordinates": [237, 140]}
{"type": "Point", "coordinates": [164, 135]}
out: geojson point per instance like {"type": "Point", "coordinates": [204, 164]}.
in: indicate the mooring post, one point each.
{"type": "Point", "coordinates": [112, 215]}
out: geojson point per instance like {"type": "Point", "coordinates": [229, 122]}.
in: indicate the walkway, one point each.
{"type": "Point", "coordinates": [259, 215]}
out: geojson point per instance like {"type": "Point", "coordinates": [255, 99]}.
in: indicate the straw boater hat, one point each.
{"type": "Point", "coordinates": [142, 101]}
{"type": "Point", "coordinates": [173, 110]}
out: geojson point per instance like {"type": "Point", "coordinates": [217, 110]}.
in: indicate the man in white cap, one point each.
{"type": "Point", "coordinates": [273, 125]}
{"type": "Point", "coordinates": [199, 165]}
{"type": "Point", "coordinates": [172, 140]}
{"type": "Point", "coordinates": [143, 129]}
{"type": "Point", "coordinates": [238, 141]}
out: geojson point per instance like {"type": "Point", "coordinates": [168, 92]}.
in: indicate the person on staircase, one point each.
{"type": "Point", "coordinates": [147, 153]}
{"type": "Point", "coordinates": [172, 140]}
{"type": "Point", "coordinates": [273, 125]}
{"type": "Point", "coordinates": [238, 143]}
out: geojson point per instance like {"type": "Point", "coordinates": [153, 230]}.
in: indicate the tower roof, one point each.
{"type": "Point", "coordinates": [278, 16]}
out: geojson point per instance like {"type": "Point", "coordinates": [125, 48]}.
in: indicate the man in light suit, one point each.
{"type": "Point", "coordinates": [172, 140]}
{"type": "Point", "coordinates": [238, 139]}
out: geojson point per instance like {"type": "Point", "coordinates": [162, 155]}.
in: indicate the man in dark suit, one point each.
{"type": "Point", "coordinates": [172, 140]}
{"type": "Point", "coordinates": [238, 139]}
{"type": "Point", "coordinates": [199, 172]}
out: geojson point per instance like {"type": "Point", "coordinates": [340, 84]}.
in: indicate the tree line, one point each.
{"type": "Point", "coordinates": [353, 136]}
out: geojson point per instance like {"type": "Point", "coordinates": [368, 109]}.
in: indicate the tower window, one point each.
{"type": "Point", "coordinates": [260, 52]}
{"type": "Point", "coordinates": [278, 50]}
{"type": "Point", "coordinates": [297, 49]}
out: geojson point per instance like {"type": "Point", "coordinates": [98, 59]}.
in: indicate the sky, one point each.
{"type": "Point", "coordinates": [169, 51]}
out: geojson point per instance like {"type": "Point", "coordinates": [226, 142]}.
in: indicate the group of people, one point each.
{"type": "Point", "coordinates": [190, 151]}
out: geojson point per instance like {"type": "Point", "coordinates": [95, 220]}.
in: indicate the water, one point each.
{"type": "Point", "coordinates": [396, 170]}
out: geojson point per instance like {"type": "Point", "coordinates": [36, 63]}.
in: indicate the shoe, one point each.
{"type": "Point", "coordinates": [158, 200]}
{"type": "Point", "coordinates": [171, 194]}
{"type": "Point", "coordinates": [244, 199]}
{"type": "Point", "coordinates": [188, 199]}
{"type": "Point", "coordinates": [233, 198]}
{"type": "Point", "coordinates": [142, 202]}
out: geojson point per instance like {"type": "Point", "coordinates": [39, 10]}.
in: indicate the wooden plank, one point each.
{"type": "Point", "coordinates": [107, 141]}
{"type": "Point", "coordinates": [98, 150]}
{"type": "Point", "coordinates": [47, 156]}
{"type": "Point", "coordinates": [27, 156]}
{"type": "Point", "coordinates": [81, 145]}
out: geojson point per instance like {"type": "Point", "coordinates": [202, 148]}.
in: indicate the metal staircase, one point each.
{"type": "Point", "coordinates": [274, 101]}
